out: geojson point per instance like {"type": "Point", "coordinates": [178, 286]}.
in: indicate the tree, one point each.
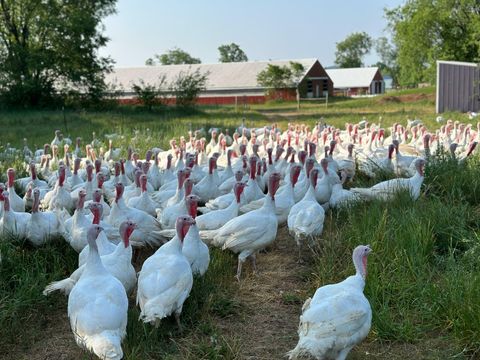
{"type": "Point", "coordinates": [351, 51]}
{"type": "Point", "coordinates": [45, 45]}
{"type": "Point", "coordinates": [276, 77]}
{"type": "Point", "coordinates": [428, 30]}
{"type": "Point", "coordinates": [174, 56]}
{"type": "Point", "coordinates": [231, 53]}
{"type": "Point", "coordinates": [150, 94]}
{"type": "Point", "coordinates": [280, 77]}
{"type": "Point", "coordinates": [388, 58]}
{"type": "Point", "coordinates": [187, 86]}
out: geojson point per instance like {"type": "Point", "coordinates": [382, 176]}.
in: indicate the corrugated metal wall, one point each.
{"type": "Point", "coordinates": [458, 87]}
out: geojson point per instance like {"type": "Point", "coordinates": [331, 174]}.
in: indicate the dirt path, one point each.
{"type": "Point", "coordinates": [56, 342]}
{"type": "Point", "coordinates": [272, 300]}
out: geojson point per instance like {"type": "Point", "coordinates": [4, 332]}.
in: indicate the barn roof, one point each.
{"type": "Point", "coordinates": [222, 76]}
{"type": "Point", "coordinates": [352, 77]}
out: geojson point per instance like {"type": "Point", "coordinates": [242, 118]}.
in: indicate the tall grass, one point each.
{"type": "Point", "coordinates": [24, 272]}
{"type": "Point", "coordinates": [423, 276]}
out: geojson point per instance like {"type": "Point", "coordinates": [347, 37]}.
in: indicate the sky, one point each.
{"type": "Point", "coordinates": [264, 29]}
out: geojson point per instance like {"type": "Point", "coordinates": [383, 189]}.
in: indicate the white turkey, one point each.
{"type": "Point", "coordinates": [387, 189]}
{"type": "Point", "coordinates": [341, 197]}
{"type": "Point", "coordinates": [207, 189]}
{"type": "Point", "coordinates": [337, 318]}
{"type": "Point", "coordinates": [43, 226]}
{"type": "Point", "coordinates": [112, 154]}
{"type": "Point", "coordinates": [250, 232]}
{"type": "Point", "coordinates": [13, 224]}
{"type": "Point", "coordinates": [77, 226]}
{"type": "Point", "coordinates": [16, 202]}
{"type": "Point", "coordinates": [105, 246]}
{"type": "Point", "coordinates": [307, 216]}
{"type": "Point", "coordinates": [36, 182]}
{"type": "Point", "coordinates": [98, 306]}
{"type": "Point", "coordinates": [284, 199]}
{"type": "Point", "coordinates": [118, 263]}
{"type": "Point", "coordinates": [166, 279]}
{"type": "Point", "coordinates": [143, 202]}
{"type": "Point", "coordinates": [147, 225]}
{"type": "Point", "coordinates": [97, 197]}
{"type": "Point", "coordinates": [196, 251]}
{"type": "Point", "coordinates": [169, 215]}
{"type": "Point", "coordinates": [74, 180]}
{"type": "Point", "coordinates": [216, 219]}
{"type": "Point", "coordinates": [59, 197]}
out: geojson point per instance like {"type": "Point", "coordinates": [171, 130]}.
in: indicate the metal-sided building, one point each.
{"type": "Point", "coordinates": [227, 83]}
{"type": "Point", "coordinates": [357, 81]}
{"type": "Point", "coordinates": [458, 86]}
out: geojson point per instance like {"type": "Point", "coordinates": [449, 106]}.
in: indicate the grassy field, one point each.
{"type": "Point", "coordinates": [423, 282]}
{"type": "Point", "coordinates": [159, 126]}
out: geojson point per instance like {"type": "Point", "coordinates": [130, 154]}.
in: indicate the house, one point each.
{"type": "Point", "coordinates": [357, 81]}
{"type": "Point", "coordinates": [458, 86]}
{"type": "Point", "coordinates": [227, 83]}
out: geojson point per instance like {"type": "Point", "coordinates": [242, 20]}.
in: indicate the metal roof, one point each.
{"type": "Point", "coordinates": [221, 76]}
{"type": "Point", "coordinates": [461, 63]}
{"type": "Point", "coordinates": [352, 77]}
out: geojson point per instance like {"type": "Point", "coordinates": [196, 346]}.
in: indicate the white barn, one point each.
{"type": "Point", "coordinates": [357, 81]}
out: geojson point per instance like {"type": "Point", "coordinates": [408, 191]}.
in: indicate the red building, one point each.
{"type": "Point", "coordinates": [227, 83]}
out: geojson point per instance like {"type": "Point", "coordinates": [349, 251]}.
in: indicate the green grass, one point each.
{"type": "Point", "coordinates": [24, 272]}
{"type": "Point", "coordinates": [423, 279]}
{"type": "Point", "coordinates": [158, 127]}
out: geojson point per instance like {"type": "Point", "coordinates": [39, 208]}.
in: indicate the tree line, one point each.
{"type": "Point", "coordinates": [49, 48]}
{"type": "Point", "coordinates": [420, 32]}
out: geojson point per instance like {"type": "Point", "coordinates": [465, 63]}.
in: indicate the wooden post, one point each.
{"type": "Point", "coordinates": [326, 101]}
{"type": "Point", "coordinates": [298, 98]}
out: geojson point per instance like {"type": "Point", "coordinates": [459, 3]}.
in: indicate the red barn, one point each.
{"type": "Point", "coordinates": [227, 83]}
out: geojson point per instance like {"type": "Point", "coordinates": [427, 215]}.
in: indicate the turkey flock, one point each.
{"type": "Point", "coordinates": [233, 192]}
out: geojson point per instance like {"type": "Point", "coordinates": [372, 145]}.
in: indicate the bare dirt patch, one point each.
{"type": "Point", "coordinates": [56, 342]}
{"type": "Point", "coordinates": [406, 98]}
{"type": "Point", "coordinates": [272, 300]}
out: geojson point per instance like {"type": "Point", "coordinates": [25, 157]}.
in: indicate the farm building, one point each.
{"type": "Point", "coordinates": [357, 81]}
{"type": "Point", "coordinates": [227, 83]}
{"type": "Point", "coordinates": [458, 86]}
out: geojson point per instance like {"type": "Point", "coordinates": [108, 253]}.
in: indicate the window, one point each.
{"type": "Point", "coordinates": [309, 86]}
{"type": "Point", "coordinates": [325, 85]}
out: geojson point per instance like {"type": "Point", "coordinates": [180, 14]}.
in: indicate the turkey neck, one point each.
{"type": "Point", "coordinates": [310, 194]}
{"type": "Point", "coordinates": [174, 245]}
{"type": "Point", "coordinates": [93, 266]}
{"type": "Point", "coordinates": [36, 201]}
{"type": "Point", "coordinates": [269, 203]}
{"type": "Point", "coordinates": [96, 217]}
{"type": "Point", "coordinates": [11, 178]}
{"type": "Point", "coordinates": [193, 235]}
